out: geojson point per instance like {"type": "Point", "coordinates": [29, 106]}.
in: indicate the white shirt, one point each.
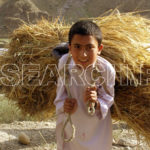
{"type": "Point", "coordinates": [92, 132]}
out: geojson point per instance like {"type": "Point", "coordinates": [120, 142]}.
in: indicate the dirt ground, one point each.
{"type": "Point", "coordinates": [42, 135]}
{"type": "Point", "coordinates": [14, 13]}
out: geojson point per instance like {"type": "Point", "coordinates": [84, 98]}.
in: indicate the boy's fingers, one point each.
{"type": "Point", "coordinates": [90, 91]}
{"type": "Point", "coordinates": [73, 101]}
{"type": "Point", "coordinates": [87, 93]}
{"type": "Point", "coordinates": [68, 99]}
{"type": "Point", "coordinates": [69, 104]}
{"type": "Point", "coordinates": [91, 97]}
{"type": "Point", "coordinates": [93, 88]}
{"type": "Point", "coordinates": [68, 107]}
{"type": "Point", "coordinates": [91, 94]}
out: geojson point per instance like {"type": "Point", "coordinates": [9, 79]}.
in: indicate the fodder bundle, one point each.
{"type": "Point", "coordinates": [124, 36]}
{"type": "Point", "coordinates": [124, 41]}
{"type": "Point", "coordinates": [28, 70]}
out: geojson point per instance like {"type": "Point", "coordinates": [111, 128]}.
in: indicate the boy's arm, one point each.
{"type": "Point", "coordinates": [61, 93]}
{"type": "Point", "coordinates": [60, 97]}
{"type": "Point", "coordinates": [106, 94]}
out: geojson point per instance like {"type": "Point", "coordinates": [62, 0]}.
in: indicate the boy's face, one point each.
{"type": "Point", "coordinates": [84, 49]}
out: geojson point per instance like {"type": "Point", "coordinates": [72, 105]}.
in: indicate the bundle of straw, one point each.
{"type": "Point", "coordinates": [124, 36]}
{"type": "Point", "coordinates": [124, 41]}
{"type": "Point", "coordinates": [28, 69]}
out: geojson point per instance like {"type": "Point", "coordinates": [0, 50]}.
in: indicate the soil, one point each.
{"type": "Point", "coordinates": [42, 135]}
{"type": "Point", "coordinates": [13, 13]}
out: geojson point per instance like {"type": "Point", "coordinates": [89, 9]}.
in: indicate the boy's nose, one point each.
{"type": "Point", "coordinates": [83, 53]}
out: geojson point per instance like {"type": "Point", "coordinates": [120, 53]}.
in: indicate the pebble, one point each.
{"type": "Point", "coordinates": [23, 138]}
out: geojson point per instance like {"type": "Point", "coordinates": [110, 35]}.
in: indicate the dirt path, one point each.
{"type": "Point", "coordinates": [42, 135]}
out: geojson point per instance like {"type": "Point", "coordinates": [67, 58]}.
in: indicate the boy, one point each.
{"type": "Point", "coordinates": [92, 132]}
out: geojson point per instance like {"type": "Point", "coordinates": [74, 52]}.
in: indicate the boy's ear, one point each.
{"type": "Point", "coordinates": [100, 47]}
{"type": "Point", "coordinates": [69, 46]}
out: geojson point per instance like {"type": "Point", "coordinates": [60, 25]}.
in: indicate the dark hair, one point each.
{"type": "Point", "coordinates": [85, 27]}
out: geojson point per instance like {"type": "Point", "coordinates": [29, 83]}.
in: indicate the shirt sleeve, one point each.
{"type": "Point", "coordinates": [106, 93]}
{"type": "Point", "coordinates": [61, 93]}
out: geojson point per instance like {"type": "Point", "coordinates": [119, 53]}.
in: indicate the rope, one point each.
{"type": "Point", "coordinates": [90, 105]}
{"type": "Point", "coordinates": [91, 108]}
{"type": "Point", "coordinates": [68, 120]}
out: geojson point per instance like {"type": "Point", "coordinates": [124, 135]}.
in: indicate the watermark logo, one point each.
{"type": "Point", "coordinates": [35, 75]}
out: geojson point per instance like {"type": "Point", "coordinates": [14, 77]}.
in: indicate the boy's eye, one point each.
{"type": "Point", "coordinates": [77, 46]}
{"type": "Point", "coordinates": [89, 47]}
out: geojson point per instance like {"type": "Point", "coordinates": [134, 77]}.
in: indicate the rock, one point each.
{"type": "Point", "coordinates": [127, 148]}
{"type": "Point", "coordinates": [122, 142]}
{"type": "Point", "coordinates": [23, 138]}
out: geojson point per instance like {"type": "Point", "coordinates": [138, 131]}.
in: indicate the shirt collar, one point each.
{"type": "Point", "coordinates": [74, 66]}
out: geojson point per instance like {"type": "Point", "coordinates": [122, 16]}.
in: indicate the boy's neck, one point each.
{"type": "Point", "coordinates": [81, 67]}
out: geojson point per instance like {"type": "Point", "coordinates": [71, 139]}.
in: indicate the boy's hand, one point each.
{"type": "Point", "coordinates": [70, 105]}
{"type": "Point", "coordinates": [90, 95]}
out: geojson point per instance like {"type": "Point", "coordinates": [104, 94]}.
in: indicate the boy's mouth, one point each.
{"type": "Point", "coordinates": [83, 61]}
